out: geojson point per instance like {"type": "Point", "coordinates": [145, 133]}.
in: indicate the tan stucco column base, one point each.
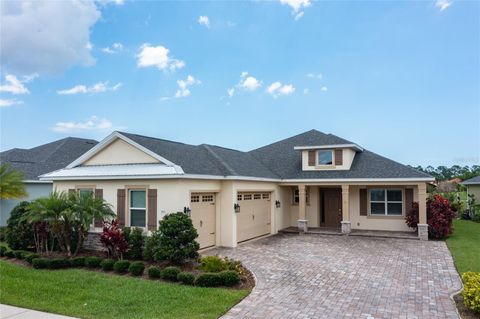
{"type": "Point", "coordinates": [422, 231]}
{"type": "Point", "coordinates": [302, 225]}
{"type": "Point", "coordinates": [346, 226]}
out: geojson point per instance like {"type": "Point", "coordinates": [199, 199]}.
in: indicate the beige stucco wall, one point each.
{"type": "Point", "coordinates": [475, 190]}
{"type": "Point", "coordinates": [348, 155]}
{"type": "Point", "coordinates": [312, 209]}
{"type": "Point", "coordinates": [174, 195]}
{"type": "Point", "coordinates": [390, 223]}
{"type": "Point", "coordinates": [120, 152]}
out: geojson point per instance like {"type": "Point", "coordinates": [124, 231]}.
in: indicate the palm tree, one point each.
{"type": "Point", "coordinates": [11, 183]}
{"type": "Point", "coordinates": [84, 210]}
{"type": "Point", "coordinates": [52, 211]}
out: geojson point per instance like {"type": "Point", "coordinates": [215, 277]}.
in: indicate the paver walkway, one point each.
{"type": "Point", "coordinates": [10, 312]}
{"type": "Point", "coordinates": [315, 276]}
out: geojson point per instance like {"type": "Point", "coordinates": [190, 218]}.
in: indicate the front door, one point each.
{"type": "Point", "coordinates": [332, 207]}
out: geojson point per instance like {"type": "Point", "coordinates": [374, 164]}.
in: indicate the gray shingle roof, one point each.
{"type": "Point", "coordinates": [46, 158]}
{"type": "Point", "coordinates": [472, 181]}
{"type": "Point", "coordinates": [277, 160]}
{"type": "Point", "coordinates": [286, 162]}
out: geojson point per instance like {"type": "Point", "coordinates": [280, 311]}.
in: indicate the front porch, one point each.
{"type": "Point", "coordinates": [354, 232]}
{"type": "Point", "coordinates": [356, 209]}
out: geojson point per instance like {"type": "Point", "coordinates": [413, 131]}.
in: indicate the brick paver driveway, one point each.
{"type": "Point", "coordinates": [314, 276]}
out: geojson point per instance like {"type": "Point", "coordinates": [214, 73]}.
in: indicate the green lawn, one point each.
{"type": "Point", "coordinates": [88, 294]}
{"type": "Point", "coordinates": [464, 244]}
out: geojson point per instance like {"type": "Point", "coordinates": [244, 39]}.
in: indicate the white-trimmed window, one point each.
{"type": "Point", "coordinates": [386, 202]}
{"type": "Point", "coordinates": [138, 208]}
{"type": "Point", "coordinates": [85, 192]}
{"type": "Point", "coordinates": [324, 157]}
{"type": "Point", "coordinates": [296, 196]}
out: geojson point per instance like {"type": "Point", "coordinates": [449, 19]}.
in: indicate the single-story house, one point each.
{"type": "Point", "coordinates": [308, 180]}
{"type": "Point", "coordinates": [39, 160]}
{"type": "Point", "coordinates": [473, 187]}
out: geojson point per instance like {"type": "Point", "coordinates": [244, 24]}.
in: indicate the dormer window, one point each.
{"type": "Point", "coordinates": [324, 157]}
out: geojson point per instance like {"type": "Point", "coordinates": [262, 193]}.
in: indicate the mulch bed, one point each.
{"type": "Point", "coordinates": [465, 312]}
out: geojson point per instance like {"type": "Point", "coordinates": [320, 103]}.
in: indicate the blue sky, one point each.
{"type": "Point", "coordinates": [400, 78]}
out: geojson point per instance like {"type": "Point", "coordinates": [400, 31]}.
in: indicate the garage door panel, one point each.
{"type": "Point", "coordinates": [203, 210]}
{"type": "Point", "coordinates": [254, 218]}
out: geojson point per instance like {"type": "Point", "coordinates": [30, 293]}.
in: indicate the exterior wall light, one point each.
{"type": "Point", "coordinates": [236, 207]}
{"type": "Point", "coordinates": [277, 204]}
{"type": "Point", "coordinates": [187, 210]}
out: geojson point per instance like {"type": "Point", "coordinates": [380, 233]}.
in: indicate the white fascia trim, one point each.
{"type": "Point", "coordinates": [357, 180]}
{"type": "Point", "coordinates": [109, 139]}
{"type": "Point", "coordinates": [244, 178]}
{"type": "Point", "coordinates": [172, 176]}
{"type": "Point", "coordinates": [35, 181]}
{"type": "Point", "coordinates": [318, 147]}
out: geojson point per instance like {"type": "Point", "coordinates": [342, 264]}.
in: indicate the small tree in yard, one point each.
{"type": "Point", "coordinates": [113, 239]}
{"type": "Point", "coordinates": [175, 239]}
{"type": "Point", "coordinates": [19, 233]}
{"type": "Point", "coordinates": [439, 217]}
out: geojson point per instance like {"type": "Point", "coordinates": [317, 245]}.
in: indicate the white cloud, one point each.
{"type": "Point", "coordinates": [276, 89]}
{"type": "Point", "coordinates": [15, 86]}
{"type": "Point", "coordinates": [9, 102]}
{"type": "Point", "coordinates": [183, 86]}
{"type": "Point", "coordinates": [248, 83]}
{"type": "Point", "coordinates": [324, 89]}
{"type": "Point", "coordinates": [99, 87]}
{"type": "Point", "coordinates": [107, 2]}
{"type": "Point", "coordinates": [94, 123]}
{"type": "Point", "coordinates": [46, 36]}
{"type": "Point", "coordinates": [157, 57]}
{"type": "Point", "coordinates": [297, 7]}
{"type": "Point", "coordinates": [204, 20]}
{"type": "Point", "coordinates": [231, 92]}
{"type": "Point", "coordinates": [306, 91]}
{"type": "Point", "coordinates": [318, 76]}
{"type": "Point", "coordinates": [116, 47]}
{"type": "Point", "coordinates": [443, 4]}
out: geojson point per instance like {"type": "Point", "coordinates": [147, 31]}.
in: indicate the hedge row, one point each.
{"type": "Point", "coordinates": [227, 278]}
{"type": "Point", "coordinates": [471, 290]}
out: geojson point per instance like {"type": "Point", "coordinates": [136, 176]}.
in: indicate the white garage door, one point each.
{"type": "Point", "coordinates": [203, 217]}
{"type": "Point", "coordinates": [254, 218]}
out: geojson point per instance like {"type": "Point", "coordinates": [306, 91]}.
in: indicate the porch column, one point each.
{"type": "Point", "coordinates": [422, 212]}
{"type": "Point", "coordinates": [302, 207]}
{"type": "Point", "coordinates": [346, 223]}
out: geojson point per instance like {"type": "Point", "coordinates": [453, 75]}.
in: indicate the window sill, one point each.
{"type": "Point", "coordinates": [385, 216]}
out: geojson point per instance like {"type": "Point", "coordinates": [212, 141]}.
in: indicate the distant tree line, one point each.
{"type": "Point", "coordinates": [443, 173]}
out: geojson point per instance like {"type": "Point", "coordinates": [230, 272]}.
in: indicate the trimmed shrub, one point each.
{"type": "Point", "coordinates": [113, 238]}
{"type": "Point", "coordinates": [58, 263]}
{"type": "Point", "coordinates": [208, 279]}
{"type": "Point", "coordinates": [19, 233]}
{"type": "Point", "coordinates": [10, 254]}
{"type": "Point", "coordinates": [3, 250]}
{"type": "Point", "coordinates": [212, 264]}
{"type": "Point", "coordinates": [107, 264]}
{"type": "Point", "coordinates": [170, 273]}
{"type": "Point", "coordinates": [186, 278]}
{"type": "Point", "coordinates": [77, 262]}
{"type": "Point", "coordinates": [136, 268]}
{"type": "Point", "coordinates": [21, 254]}
{"type": "Point", "coordinates": [121, 266]}
{"type": "Point", "coordinates": [93, 261]}
{"type": "Point", "coordinates": [40, 263]}
{"type": "Point", "coordinates": [175, 239]}
{"type": "Point", "coordinates": [471, 290]}
{"type": "Point", "coordinates": [30, 257]}
{"type": "Point", "coordinates": [148, 249]}
{"type": "Point", "coordinates": [154, 272]}
{"type": "Point", "coordinates": [136, 241]}
{"type": "Point", "coordinates": [439, 217]}
{"type": "Point", "coordinates": [229, 278]}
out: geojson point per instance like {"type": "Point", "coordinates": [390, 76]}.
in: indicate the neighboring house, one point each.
{"type": "Point", "coordinates": [308, 180]}
{"type": "Point", "coordinates": [37, 161]}
{"type": "Point", "coordinates": [473, 187]}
